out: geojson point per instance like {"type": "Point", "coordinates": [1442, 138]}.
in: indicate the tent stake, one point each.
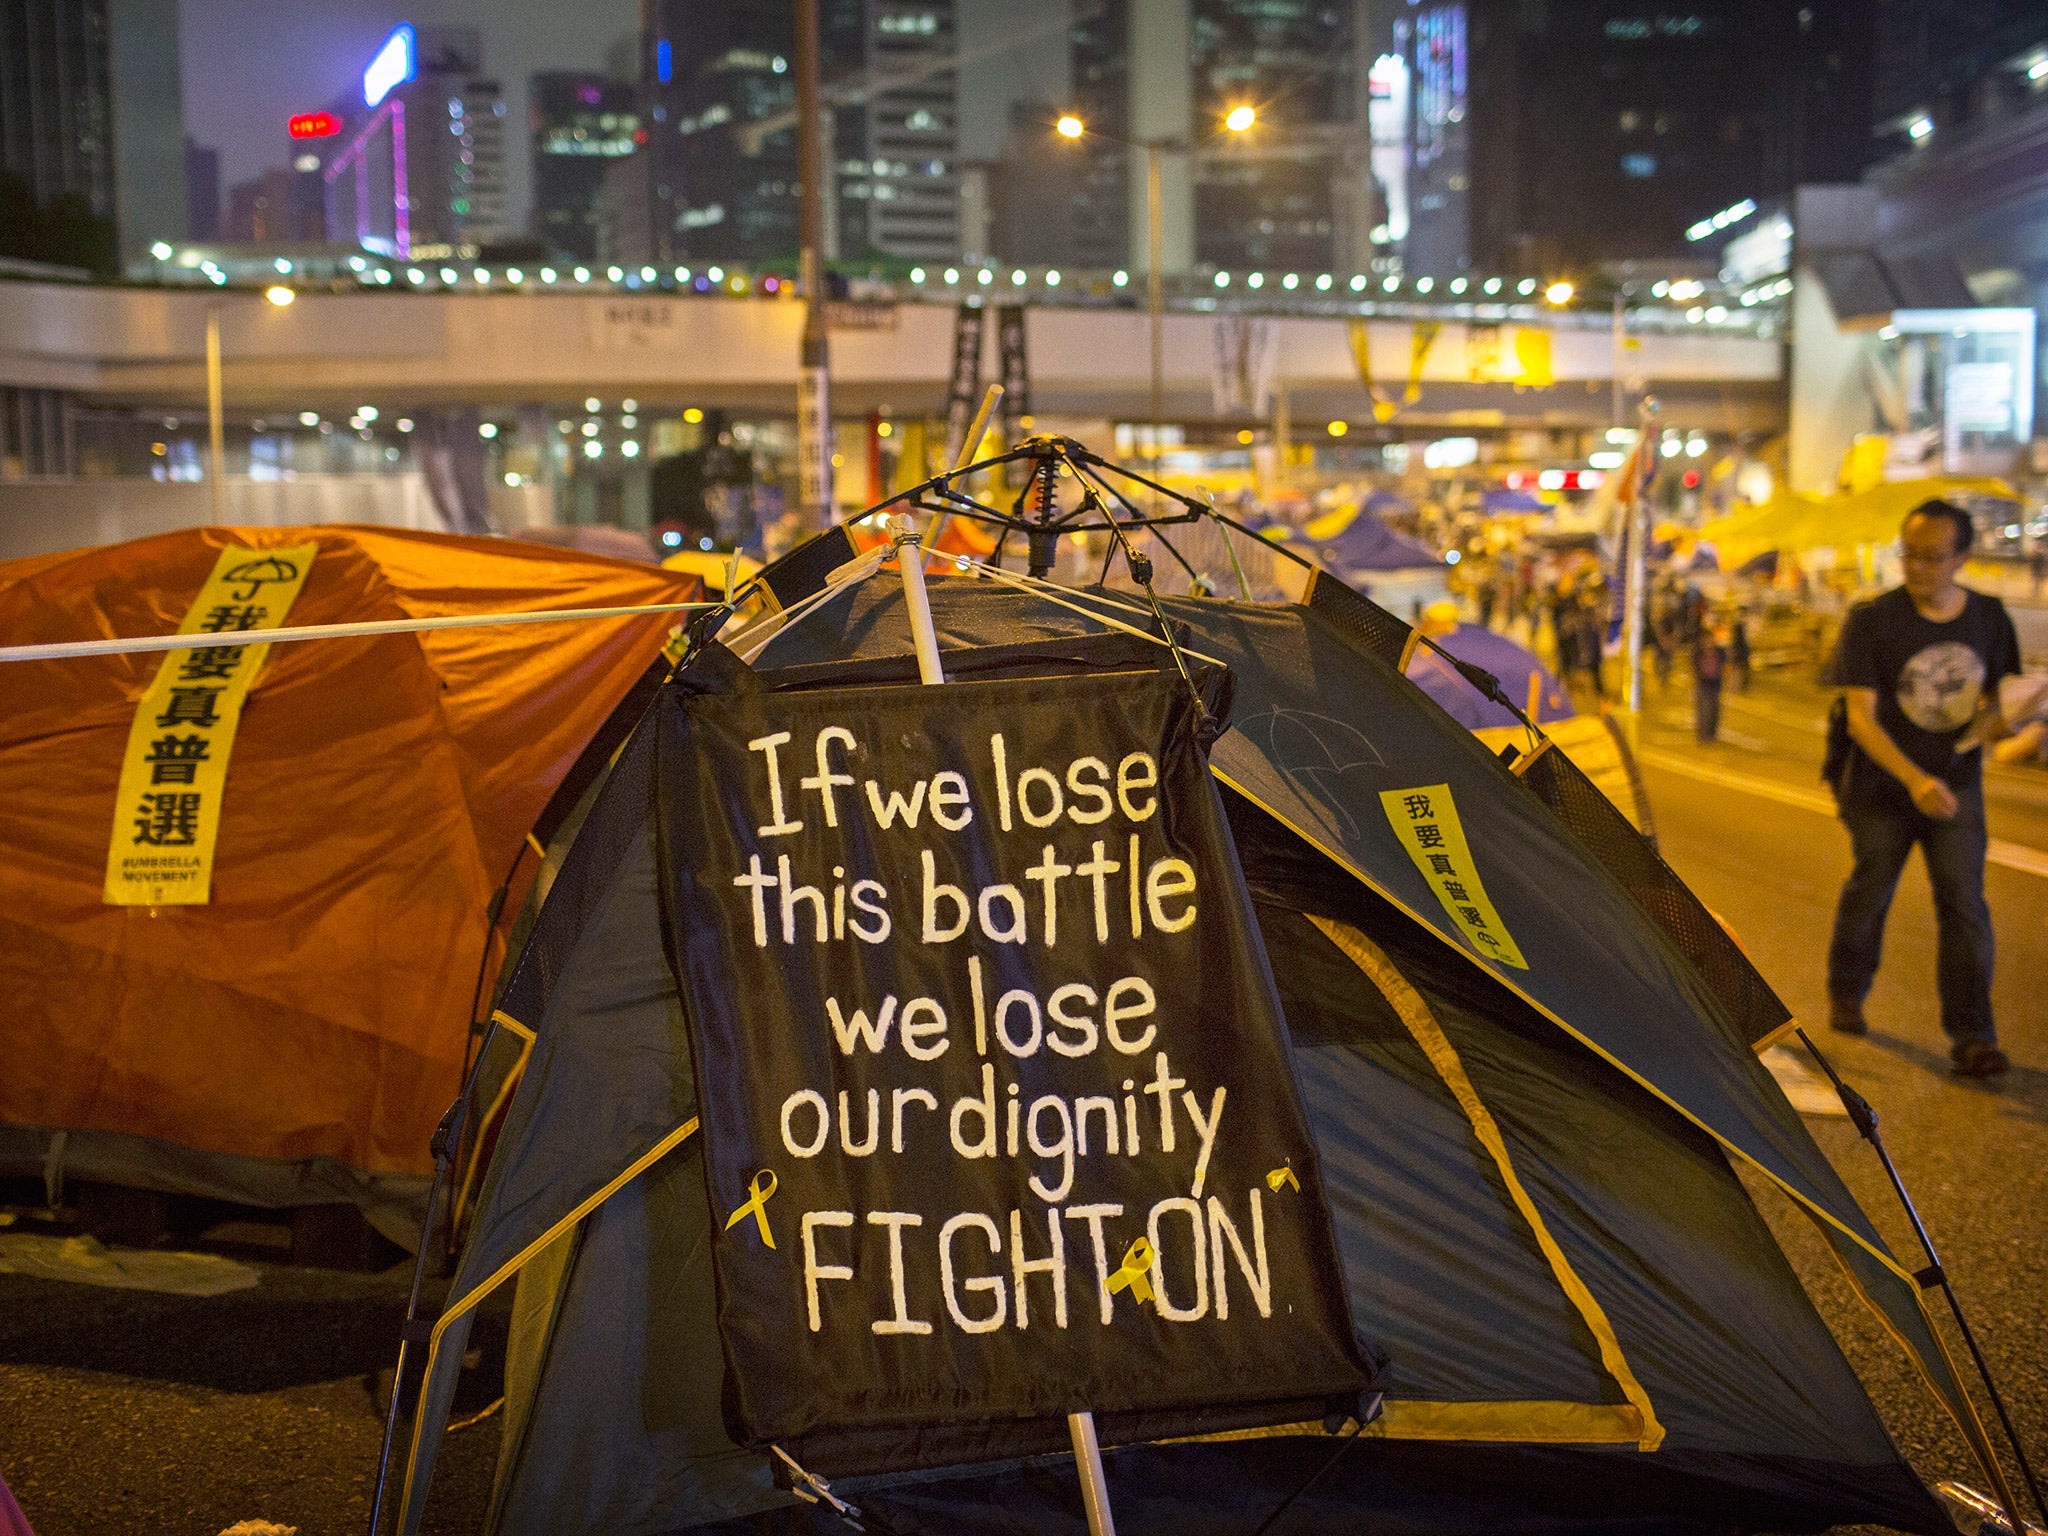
{"type": "Point", "coordinates": [923, 635]}
{"type": "Point", "coordinates": [1865, 1121]}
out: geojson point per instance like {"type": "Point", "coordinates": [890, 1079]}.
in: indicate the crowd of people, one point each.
{"type": "Point", "coordinates": [1567, 610]}
{"type": "Point", "coordinates": [1928, 683]}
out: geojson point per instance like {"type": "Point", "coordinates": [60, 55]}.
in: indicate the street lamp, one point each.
{"type": "Point", "coordinates": [279, 297]}
{"type": "Point", "coordinates": [1559, 293]}
{"type": "Point", "coordinates": [1239, 119]}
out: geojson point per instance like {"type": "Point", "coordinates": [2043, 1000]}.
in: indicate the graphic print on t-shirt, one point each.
{"type": "Point", "coordinates": [1939, 688]}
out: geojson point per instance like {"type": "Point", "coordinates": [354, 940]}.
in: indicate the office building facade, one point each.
{"type": "Point", "coordinates": [91, 128]}
{"type": "Point", "coordinates": [202, 192]}
{"type": "Point", "coordinates": [583, 124]}
{"type": "Point", "coordinates": [1270, 198]}
{"type": "Point", "coordinates": [718, 96]}
{"type": "Point", "coordinates": [1557, 135]}
{"type": "Point", "coordinates": [898, 190]}
{"type": "Point", "coordinates": [418, 171]}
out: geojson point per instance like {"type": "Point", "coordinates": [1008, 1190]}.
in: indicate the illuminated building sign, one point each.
{"type": "Point", "coordinates": [313, 125]}
{"type": "Point", "coordinates": [396, 62]}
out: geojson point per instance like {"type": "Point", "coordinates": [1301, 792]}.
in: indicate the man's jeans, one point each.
{"type": "Point", "coordinates": [1954, 851]}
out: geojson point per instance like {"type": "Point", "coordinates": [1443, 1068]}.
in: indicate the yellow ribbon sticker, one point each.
{"type": "Point", "coordinates": [1135, 1272]}
{"type": "Point", "coordinates": [175, 775]}
{"type": "Point", "coordinates": [1425, 819]}
{"type": "Point", "coordinates": [756, 1206]}
{"type": "Point", "coordinates": [1284, 1174]}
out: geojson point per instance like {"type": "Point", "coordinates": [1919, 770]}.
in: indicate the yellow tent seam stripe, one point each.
{"type": "Point", "coordinates": [1605, 1055]}
{"type": "Point", "coordinates": [1414, 1013]}
{"type": "Point", "coordinates": [1535, 1423]}
{"type": "Point", "coordinates": [1507, 1422]}
{"type": "Point", "coordinates": [505, 1021]}
{"type": "Point", "coordinates": [1784, 1029]}
{"type": "Point", "coordinates": [1971, 1426]}
{"type": "Point", "coordinates": [513, 1265]}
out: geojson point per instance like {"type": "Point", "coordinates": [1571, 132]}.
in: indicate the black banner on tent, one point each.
{"type": "Point", "coordinates": [963, 395]}
{"type": "Point", "coordinates": [1015, 363]}
{"type": "Point", "coordinates": [1000, 1121]}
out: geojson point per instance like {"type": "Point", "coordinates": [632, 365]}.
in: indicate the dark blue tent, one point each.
{"type": "Point", "coordinates": [1505, 500]}
{"type": "Point", "coordinates": [1513, 664]}
{"type": "Point", "coordinates": [1368, 544]}
{"type": "Point", "coordinates": [1587, 1323]}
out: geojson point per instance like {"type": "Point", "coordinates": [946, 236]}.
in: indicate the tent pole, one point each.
{"type": "Point", "coordinates": [1638, 562]}
{"type": "Point", "coordinates": [975, 433]}
{"type": "Point", "coordinates": [1865, 1120]}
{"type": "Point", "coordinates": [910, 561]}
{"type": "Point", "coordinates": [924, 636]}
{"type": "Point", "coordinates": [446, 1135]}
{"type": "Point", "coordinates": [1094, 1488]}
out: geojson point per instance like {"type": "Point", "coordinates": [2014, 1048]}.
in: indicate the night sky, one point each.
{"type": "Point", "coordinates": [249, 64]}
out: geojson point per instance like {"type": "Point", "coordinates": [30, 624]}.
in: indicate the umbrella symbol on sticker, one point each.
{"type": "Point", "coordinates": [252, 574]}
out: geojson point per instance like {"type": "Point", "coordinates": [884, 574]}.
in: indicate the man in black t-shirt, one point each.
{"type": "Point", "coordinates": [1919, 668]}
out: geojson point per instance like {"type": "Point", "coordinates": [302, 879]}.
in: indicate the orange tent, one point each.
{"type": "Point", "coordinates": [294, 1040]}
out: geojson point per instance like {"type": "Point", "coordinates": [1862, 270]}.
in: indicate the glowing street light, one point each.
{"type": "Point", "coordinates": [1240, 118]}
{"type": "Point", "coordinates": [1559, 292]}
{"type": "Point", "coordinates": [1069, 126]}
{"type": "Point", "coordinates": [279, 295]}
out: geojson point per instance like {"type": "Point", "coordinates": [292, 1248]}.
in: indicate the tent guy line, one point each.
{"type": "Point", "coordinates": [2028, 861]}
{"type": "Point", "coordinates": [63, 650]}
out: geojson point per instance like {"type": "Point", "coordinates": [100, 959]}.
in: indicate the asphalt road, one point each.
{"type": "Point", "coordinates": [1747, 824]}
{"type": "Point", "coordinates": [144, 1414]}
{"type": "Point", "coordinates": [122, 1411]}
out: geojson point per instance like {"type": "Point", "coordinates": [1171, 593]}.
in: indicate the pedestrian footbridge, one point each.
{"type": "Point", "coordinates": [1476, 366]}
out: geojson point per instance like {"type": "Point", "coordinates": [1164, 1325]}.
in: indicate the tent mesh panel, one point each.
{"type": "Point", "coordinates": [1631, 859]}
{"type": "Point", "coordinates": [1358, 617]}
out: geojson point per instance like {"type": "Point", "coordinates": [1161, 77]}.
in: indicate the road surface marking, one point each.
{"type": "Point", "coordinates": [1815, 725]}
{"type": "Point", "coordinates": [2028, 861]}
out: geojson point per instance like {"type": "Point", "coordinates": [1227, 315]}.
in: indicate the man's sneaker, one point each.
{"type": "Point", "coordinates": [1978, 1058]}
{"type": "Point", "coordinates": [1846, 1017]}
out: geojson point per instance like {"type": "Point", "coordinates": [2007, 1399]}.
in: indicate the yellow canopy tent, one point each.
{"type": "Point", "coordinates": [1794, 523]}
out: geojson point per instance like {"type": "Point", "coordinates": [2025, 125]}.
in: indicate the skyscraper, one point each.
{"type": "Point", "coordinates": [719, 87]}
{"type": "Point", "coordinates": [1268, 199]}
{"type": "Point", "coordinates": [898, 193]}
{"type": "Point", "coordinates": [1286, 194]}
{"type": "Point", "coordinates": [419, 172]}
{"type": "Point", "coordinates": [1553, 135]}
{"type": "Point", "coordinates": [1100, 40]}
{"type": "Point", "coordinates": [91, 133]}
{"type": "Point", "coordinates": [260, 209]}
{"type": "Point", "coordinates": [202, 192]}
{"type": "Point", "coordinates": [582, 125]}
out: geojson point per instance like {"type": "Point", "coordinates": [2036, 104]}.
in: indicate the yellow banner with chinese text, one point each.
{"type": "Point", "coordinates": [1426, 821]}
{"type": "Point", "coordinates": [174, 777]}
